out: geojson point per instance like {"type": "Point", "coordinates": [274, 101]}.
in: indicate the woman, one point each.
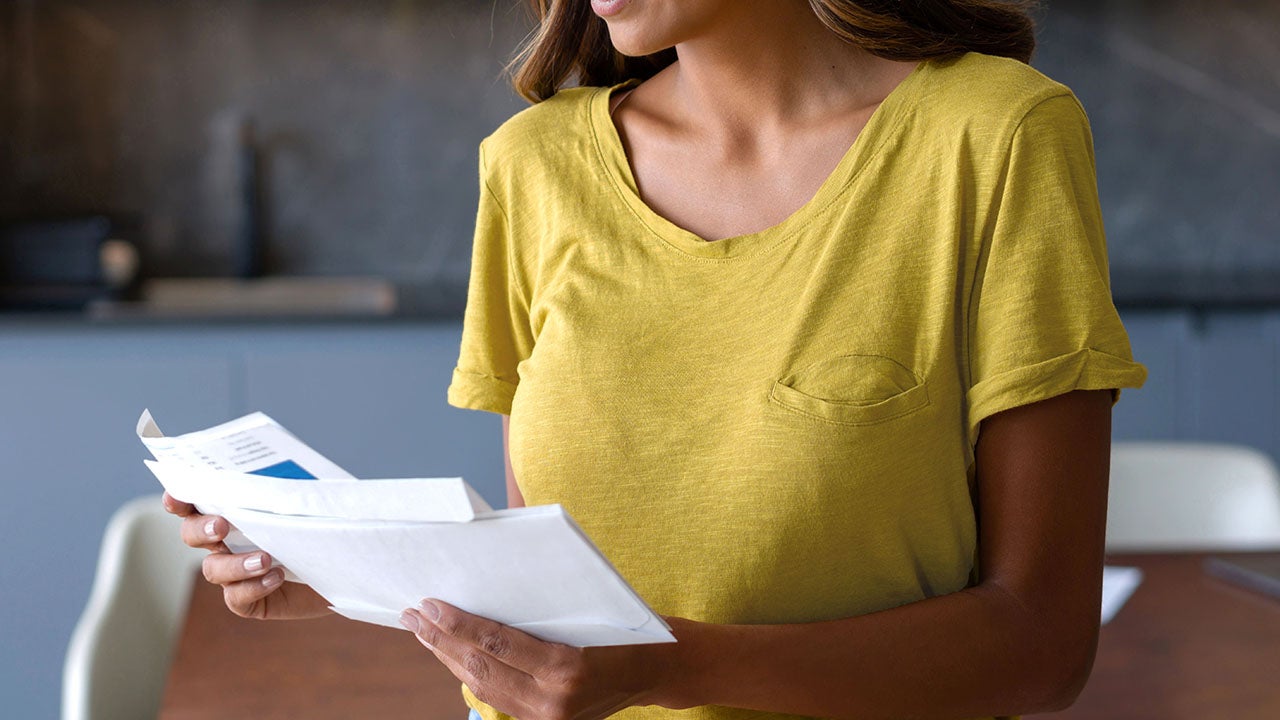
{"type": "Point", "coordinates": [802, 311]}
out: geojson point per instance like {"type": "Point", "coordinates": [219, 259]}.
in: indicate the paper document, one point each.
{"type": "Point", "coordinates": [252, 444]}
{"type": "Point", "coordinates": [1118, 583]}
{"type": "Point", "coordinates": [375, 547]}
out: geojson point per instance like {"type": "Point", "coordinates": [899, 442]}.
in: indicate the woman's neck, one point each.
{"type": "Point", "coordinates": [773, 64]}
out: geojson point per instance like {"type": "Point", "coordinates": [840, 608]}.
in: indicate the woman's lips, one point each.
{"type": "Point", "coordinates": [607, 8]}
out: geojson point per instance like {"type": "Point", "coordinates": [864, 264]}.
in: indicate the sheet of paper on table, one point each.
{"type": "Point", "coordinates": [1118, 583]}
{"type": "Point", "coordinates": [375, 547]}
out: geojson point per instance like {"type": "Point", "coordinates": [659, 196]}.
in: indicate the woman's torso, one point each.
{"type": "Point", "coordinates": [770, 428]}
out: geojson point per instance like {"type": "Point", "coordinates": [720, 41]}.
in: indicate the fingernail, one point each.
{"type": "Point", "coordinates": [253, 563]}
{"type": "Point", "coordinates": [209, 529]}
{"type": "Point", "coordinates": [431, 609]}
{"type": "Point", "coordinates": [409, 621]}
{"type": "Point", "coordinates": [272, 579]}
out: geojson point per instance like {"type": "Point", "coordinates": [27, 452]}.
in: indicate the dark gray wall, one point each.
{"type": "Point", "coordinates": [1184, 99]}
{"type": "Point", "coordinates": [370, 111]}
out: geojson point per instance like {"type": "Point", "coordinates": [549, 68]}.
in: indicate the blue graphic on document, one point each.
{"type": "Point", "coordinates": [288, 469]}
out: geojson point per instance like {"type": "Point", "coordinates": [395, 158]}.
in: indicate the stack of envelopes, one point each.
{"type": "Point", "coordinates": [375, 547]}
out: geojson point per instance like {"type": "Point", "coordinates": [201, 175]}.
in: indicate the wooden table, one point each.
{"type": "Point", "coordinates": [1186, 645]}
{"type": "Point", "coordinates": [229, 667]}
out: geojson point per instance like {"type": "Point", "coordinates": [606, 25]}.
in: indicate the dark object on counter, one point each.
{"type": "Point", "coordinates": [1260, 574]}
{"type": "Point", "coordinates": [251, 255]}
{"type": "Point", "coordinates": [64, 263]}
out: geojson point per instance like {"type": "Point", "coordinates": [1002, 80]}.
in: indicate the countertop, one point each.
{"type": "Point", "coordinates": [416, 303]}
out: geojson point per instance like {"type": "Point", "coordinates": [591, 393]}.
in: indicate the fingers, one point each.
{"type": "Point", "coordinates": [246, 580]}
{"type": "Point", "coordinates": [224, 568]}
{"type": "Point", "coordinates": [479, 643]}
{"type": "Point", "coordinates": [205, 531]}
{"type": "Point", "coordinates": [249, 581]}
{"type": "Point", "coordinates": [247, 598]}
{"type": "Point", "coordinates": [176, 506]}
{"type": "Point", "coordinates": [490, 679]}
{"type": "Point", "coordinates": [199, 531]}
{"type": "Point", "coordinates": [495, 694]}
{"type": "Point", "coordinates": [502, 642]}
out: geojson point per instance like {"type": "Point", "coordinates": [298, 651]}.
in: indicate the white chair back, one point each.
{"type": "Point", "coordinates": [1173, 496]}
{"type": "Point", "coordinates": [119, 654]}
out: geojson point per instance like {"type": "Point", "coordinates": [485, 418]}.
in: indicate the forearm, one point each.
{"type": "Point", "coordinates": [1022, 641]}
{"type": "Point", "coordinates": [975, 653]}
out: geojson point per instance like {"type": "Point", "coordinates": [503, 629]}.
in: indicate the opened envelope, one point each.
{"type": "Point", "coordinates": [375, 547]}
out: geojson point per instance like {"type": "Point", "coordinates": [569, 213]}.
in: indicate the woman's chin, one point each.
{"type": "Point", "coordinates": [636, 44]}
{"type": "Point", "coordinates": [638, 49]}
{"type": "Point", "coordinates": [638, 28]}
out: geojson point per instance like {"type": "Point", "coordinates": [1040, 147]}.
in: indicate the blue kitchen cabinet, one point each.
{"type": "Point", "coordinates": [69, 459]}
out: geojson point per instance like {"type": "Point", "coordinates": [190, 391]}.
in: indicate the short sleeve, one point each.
{"type": "Point", "coordinates": [496, 334]}
{"type": "Point", "coordinates": [1041, 319]}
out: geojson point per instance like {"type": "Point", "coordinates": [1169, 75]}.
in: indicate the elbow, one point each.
{"type": "Point", "coordinates": [1063, 687]}
{"type": "Point", "coordinates": [1064, 669]}
{"type": "Point", "coordinates": [1049, 654]}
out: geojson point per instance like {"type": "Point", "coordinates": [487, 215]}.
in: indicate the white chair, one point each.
{"type": "Point", "coordinates": [119, 654]}
{"type": "Point", "coordinates": [1175, 496]}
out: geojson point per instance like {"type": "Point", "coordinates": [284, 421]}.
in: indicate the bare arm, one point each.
{"type": "Point", "coordinates": [514, 498]}
{"type": "Point", "coordinates": [1021, 641]}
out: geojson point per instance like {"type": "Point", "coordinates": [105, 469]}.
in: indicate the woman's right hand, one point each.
{"type": "Point", "coordinates": [251, 587]}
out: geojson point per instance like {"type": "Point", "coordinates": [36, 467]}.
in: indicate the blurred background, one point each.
{"type": "Point", "coordinates": [209, 207]}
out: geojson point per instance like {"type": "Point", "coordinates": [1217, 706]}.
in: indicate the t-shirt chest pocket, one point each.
{"type": "Point", "coordinates": [852, 390]}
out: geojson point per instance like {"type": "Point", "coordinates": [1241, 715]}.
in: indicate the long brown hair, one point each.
{"type": "Point", "coordinates": [571, 42]}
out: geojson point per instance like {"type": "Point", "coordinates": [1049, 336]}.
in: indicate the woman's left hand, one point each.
{"type": "Point", "coordinates": [532, 679]}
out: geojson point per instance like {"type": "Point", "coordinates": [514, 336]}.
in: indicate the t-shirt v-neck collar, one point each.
{"type": "Point", "coordinates": [884, 123]}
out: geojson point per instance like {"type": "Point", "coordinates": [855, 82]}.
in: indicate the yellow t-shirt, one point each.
{"type": "Point", "coordinates": [780, 427]}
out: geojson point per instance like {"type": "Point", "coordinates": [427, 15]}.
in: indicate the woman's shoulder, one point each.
{"type": "Point", "coordinates": [554, 131]}
{"type": "Point", "coordinates": [976, 90]}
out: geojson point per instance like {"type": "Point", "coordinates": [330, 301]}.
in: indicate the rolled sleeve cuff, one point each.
{"type": "Point", "coordinates": [473, 391]}
{"type": "Point", "coordinates": [1085, 369]}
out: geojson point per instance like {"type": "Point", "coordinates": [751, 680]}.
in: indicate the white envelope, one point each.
{"type": "Point", "coordinates": [531, 568]}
